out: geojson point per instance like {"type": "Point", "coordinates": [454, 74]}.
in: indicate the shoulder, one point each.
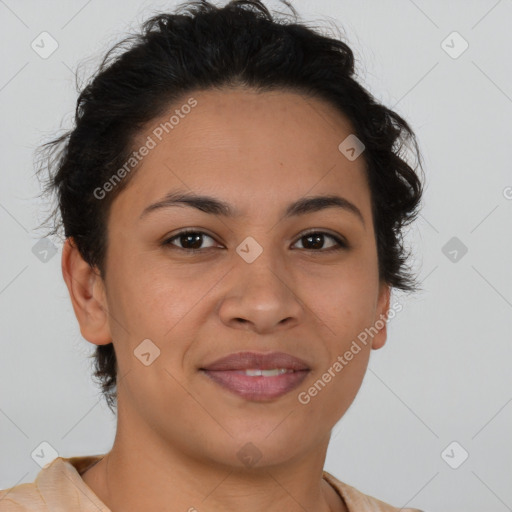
{"type": "Point", "coordinates": [57, 484]}
{"type": "Point", "coordinates": [21, 498]}
{"type": "Point", "coordinates": [357, 501]}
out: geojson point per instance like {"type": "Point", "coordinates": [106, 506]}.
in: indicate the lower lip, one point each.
{"type": "Point", "coordinates": [257, 388]}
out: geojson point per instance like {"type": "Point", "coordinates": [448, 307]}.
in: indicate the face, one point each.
{"type": "Point", "coordinates": [256, 280]}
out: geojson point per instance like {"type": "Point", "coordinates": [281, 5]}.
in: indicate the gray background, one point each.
{"type": "Point", "coordinates": [444, 374]}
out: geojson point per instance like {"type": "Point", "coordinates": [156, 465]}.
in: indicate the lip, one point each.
{"type": "Point", "coordinates": [228, 372]}
{"type": "Point", "coordinates": [257, 360]}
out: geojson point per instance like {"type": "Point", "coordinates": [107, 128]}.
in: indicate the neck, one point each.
{"type": "Point", "coordinates": [137, 476]}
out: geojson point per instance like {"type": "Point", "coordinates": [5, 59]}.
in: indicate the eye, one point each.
{"type": "Point", "coordinates": [189, 239]}
{"type": "Point", "coordinates": [316, 241]}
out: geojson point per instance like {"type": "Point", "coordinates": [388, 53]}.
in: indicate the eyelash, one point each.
{"type": "Point", "coordinates": [341, 244]}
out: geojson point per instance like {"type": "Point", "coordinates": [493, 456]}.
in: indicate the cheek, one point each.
{"type": "Point", "coordinates": [344, 308]}
{"type": "Point", "coordinates": [159, 302]}
{"type": "Point", "coordinates": [343, 304]}
{"type": "Point", "coordinates": [152, 296]}
{"type": "Point", "coordinates": [334, 388]}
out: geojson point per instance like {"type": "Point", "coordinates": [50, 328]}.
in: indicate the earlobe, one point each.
{"type": "Point", "coordinates": [87, 293]}
{"type": "Point", "coordinates": [380, 323]}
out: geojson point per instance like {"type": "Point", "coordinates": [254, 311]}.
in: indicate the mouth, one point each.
{"type": "Point", "coordinates": [256, 376]}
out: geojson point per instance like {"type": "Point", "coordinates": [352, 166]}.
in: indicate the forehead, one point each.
{"type": "Point", "coordinates": [247, 148]}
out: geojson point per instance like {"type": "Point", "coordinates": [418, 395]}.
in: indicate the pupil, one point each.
{"type": "Point", "coordinates": [318, 239]}
{"type": "Point", "coordinates": [192, 236]}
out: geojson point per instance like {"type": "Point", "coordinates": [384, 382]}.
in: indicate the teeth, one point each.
{"type": "Point", "coordinates": [267, 373]}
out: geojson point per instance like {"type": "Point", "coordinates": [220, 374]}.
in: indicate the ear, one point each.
{"type": "Point", "coordinates": [379, 339]}
{"type": "Point", "coordinates": [87, 292]}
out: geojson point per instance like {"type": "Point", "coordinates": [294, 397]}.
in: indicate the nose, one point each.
{"type": "Point", "coordinates": [261, 299]}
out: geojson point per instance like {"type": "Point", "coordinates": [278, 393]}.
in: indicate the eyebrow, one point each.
{"type": "Point", "coordinates": [215, 206]}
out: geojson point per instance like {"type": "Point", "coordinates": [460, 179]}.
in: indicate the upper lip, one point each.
{"type": "Point", "coordinates": [257, 360]}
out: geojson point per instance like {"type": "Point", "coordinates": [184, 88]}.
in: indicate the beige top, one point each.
{"type": "Point", "coordinates": [59, 486]}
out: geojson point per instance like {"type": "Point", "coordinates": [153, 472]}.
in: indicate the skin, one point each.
{"type": "Point", "coordinates": [178, 432]}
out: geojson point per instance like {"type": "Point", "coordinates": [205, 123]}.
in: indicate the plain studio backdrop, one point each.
{"type": "Point", "coordinates": [431, 426]}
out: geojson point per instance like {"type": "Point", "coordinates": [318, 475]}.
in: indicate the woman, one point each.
{"type": "Point", "coordinates": [232, 203]}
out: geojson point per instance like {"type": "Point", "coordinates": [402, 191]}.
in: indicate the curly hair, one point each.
{"type": "Point", "coordinates": [198, 47]}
